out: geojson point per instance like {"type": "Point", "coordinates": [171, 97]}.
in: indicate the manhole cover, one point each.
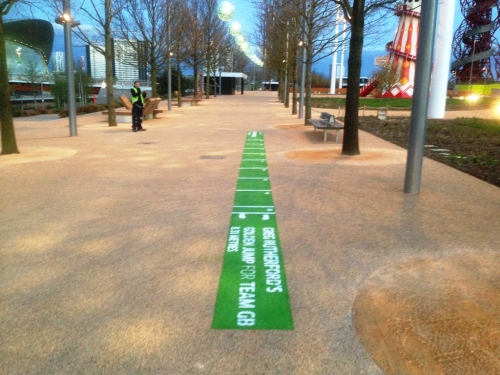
{"type": "Point", "coordinates": [147, 143]}
{"type": "Point", "coordinates": [212, 157]}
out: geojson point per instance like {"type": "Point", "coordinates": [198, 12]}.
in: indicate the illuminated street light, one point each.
{"type": "Point", "coordinates": [235, 28]}
{"type": "Point", "coordinates": [473, 97]}
{"type": "Point", "coordinates": [225, 11]}
{"type": "Point", "coordinates": [239, 39]}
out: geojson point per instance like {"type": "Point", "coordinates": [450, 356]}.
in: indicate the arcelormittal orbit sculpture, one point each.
{"type": "Point", "coordinates": [474, 45]}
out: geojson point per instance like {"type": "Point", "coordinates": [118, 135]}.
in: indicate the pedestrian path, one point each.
{"type": "Point", "coordinates": [113, 245]}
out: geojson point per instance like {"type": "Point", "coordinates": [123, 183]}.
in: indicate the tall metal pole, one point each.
{"type": "Point", "coordinates": [302, 83]}
{"type": "Point", "coordinates": [341, 81]}
{"type": "Point", "coordinates": [169, 61]}
{"type": "Point", "coordinates": [70, 76]}
{"type": "Point", "coordinates": [285, 85]}
{"type": "Point", "coordinates": [333, 84]}
{"type": "Point", "coordinates": [442, 56]}
{"type": "Point", "coordinates": [303, 74]}
{"type": "Point", "coordinates": [420, 96]}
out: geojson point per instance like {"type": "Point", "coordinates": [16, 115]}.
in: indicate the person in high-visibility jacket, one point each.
{"type": "Point", "coordinates": [137, 106]}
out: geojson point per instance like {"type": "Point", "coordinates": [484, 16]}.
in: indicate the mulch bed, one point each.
{"type": "Point", "coordinates": [473, 148]}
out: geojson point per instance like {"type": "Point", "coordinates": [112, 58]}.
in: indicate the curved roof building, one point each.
{"type": "Point", "coordinates": [29, 45]}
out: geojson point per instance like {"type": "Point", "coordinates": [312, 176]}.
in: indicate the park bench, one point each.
{"type": "Point", "coordinates": [327, 122]}
{"type": "Point", "coordinates": [192, 100]}
{"type": "Point", "coordinates": [125, 101]}
{"type": "Point", "coordinates": [125, 114]}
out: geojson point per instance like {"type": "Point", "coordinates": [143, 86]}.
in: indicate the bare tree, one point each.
{"type": "Point", "coordinates": [317, 21]}
{"type": "Point", "coordinates": [214, 33]}
{"type": "Point", "coordinates": [287, 22]}
{"type": "Point", "coordinates": [146, 20]}
{"type": "Point", "coordinates": [192, 50]}
{"type": "Point", "coordinates": [386, 76]}
{"type": "Point", "coordinates": [34, 77]}
{"type": "Point", "coordinates": [101, 14]}
{"type": "Point", "coordinates": [59, 89]}
{"type": "Point", "coordinates": [356, 15]}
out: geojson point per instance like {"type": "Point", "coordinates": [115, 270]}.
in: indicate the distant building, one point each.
{"type": "Point", "coordinates": [96, 64]}
{"type": "Point", "coordinates": [129, 63]}
{"type": "Point", "coordinates": [28, 45]}
{"type": "Point", "coordinates": [58, 62]}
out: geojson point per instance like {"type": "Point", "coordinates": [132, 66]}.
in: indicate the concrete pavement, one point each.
{"type": "Point", "coordinates": [112, 245]}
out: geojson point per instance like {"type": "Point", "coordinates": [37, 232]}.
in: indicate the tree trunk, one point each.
{"type": "Point", "coordinates": [350, 143]}
{"type": "Point", "coordinates": [307, 104]}
{"type": "Point", "coordinates": [9, 145]}
{"type": "Point", "coordinates": [153, 81]}
{"type": "Point", "coordinates": [207, 81]}
{"type": "Point", "coordinates": [195, 78]}
{"type": "Point", "coordinates": [309, 58]}
{"type": "Point", "coordinates": [294, 82]}
{"type": "Point", "coordinates": [281, 89]}
{"type": "Point", "coordinates": [154, 72]}
{"type": "Point", "coordinates": [179, 83]}
{"type": "Point", "coordinates": [108, 55]}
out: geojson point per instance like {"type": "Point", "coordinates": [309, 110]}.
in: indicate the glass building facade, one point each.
{"type": "Point", "coordinates": [29, 46]}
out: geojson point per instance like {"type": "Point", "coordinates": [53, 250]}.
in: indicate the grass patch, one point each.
{"type": "Point", "coordinates": [492, 125]}
{"type": "Point", "coordinates": [454, 104]}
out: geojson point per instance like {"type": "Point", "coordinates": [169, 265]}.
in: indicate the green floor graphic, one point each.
{"type": "Point", "coordinates": [253, 293]}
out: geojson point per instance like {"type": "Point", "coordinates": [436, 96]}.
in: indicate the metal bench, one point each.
{"type": "Point", "coordinates": [327, 122]}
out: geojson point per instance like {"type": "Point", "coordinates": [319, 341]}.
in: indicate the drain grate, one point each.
{"type": "Point", "coordinates": [212, 157]}
{"type": "Point", "coordinates": [147, 143]}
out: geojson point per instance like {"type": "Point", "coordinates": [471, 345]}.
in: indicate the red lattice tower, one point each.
{"type": "Point", "coordinates": [474, 45]}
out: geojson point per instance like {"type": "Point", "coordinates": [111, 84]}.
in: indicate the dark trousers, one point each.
{"type": "Point", "coordinates": [136, 117]}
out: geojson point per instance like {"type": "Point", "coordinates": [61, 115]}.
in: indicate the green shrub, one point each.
{"type": "Point", "coordinates": [16, 112]}
{"type": "Point", "coordinates": [89, 108]}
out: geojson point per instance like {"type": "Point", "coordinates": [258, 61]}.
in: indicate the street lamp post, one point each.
{"type": "Point", "coordinates": [169, 61]}
{"type": "Point", "coordinates": [285, 93]}
{"type": "Point", "coordinates": [302, 80]}
{"type": "Point", "coordinates": [67, 22]}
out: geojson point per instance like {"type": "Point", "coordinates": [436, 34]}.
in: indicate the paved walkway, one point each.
{"type": "Point", "coordinates": [112, 244]}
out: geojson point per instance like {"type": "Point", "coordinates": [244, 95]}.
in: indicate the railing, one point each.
{"type": "Point", "coordinates": [341, 110]}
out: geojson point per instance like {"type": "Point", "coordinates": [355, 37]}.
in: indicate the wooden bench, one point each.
{"type": "Point", "coordinates": [327, 122]}
{"type": "Point", "coordinates": [125, 114]}
{"type": "Point", "coordinates": [125, 102]}
{"type": "Point", "coordinates": [192, 100]}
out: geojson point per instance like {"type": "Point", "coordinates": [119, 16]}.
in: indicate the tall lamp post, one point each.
{"type": "Point", "coordinates": [302, 80]}
{"type": "Point", "coordinates": [169, 61]}
{"type": "Point", "coordinates": [67, 22]}
{"type": "Point", "coordinates": [285, 93]}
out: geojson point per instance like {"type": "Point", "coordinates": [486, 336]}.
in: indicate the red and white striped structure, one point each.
{"type": "Point", "coordinates": [403, 49]}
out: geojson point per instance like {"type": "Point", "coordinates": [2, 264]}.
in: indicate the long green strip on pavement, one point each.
{"type": "Point", "coordinates": [253, 292]}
